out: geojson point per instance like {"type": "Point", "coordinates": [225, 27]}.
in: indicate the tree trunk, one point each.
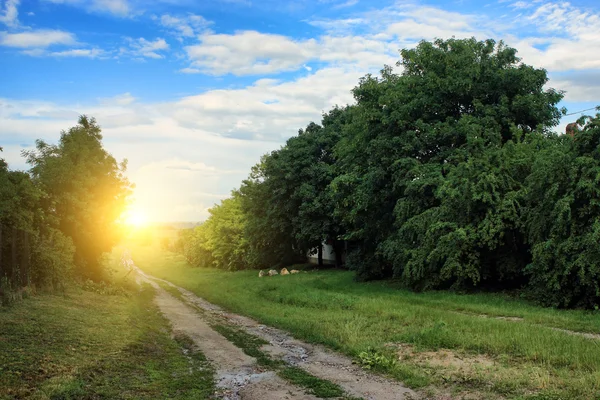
{"type": "Point", "coordinates": [338, 248]}
{"type": "Point", "coordinates": [1, 267]}
{"type": "Point", "coordinates": [320, 254]}
{"type": "Point", "coordinates": [13, 258]}
{"type": "Point", "coordinates": [24, 259]}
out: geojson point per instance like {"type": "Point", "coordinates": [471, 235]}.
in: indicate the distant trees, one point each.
{"type": "Point", "coordinates": [58, 219]}
{"type": "Point", "coordinates": [446, 175]}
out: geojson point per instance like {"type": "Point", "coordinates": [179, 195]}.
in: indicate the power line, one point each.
{"type": "Point", "coordinates": [577, 112]}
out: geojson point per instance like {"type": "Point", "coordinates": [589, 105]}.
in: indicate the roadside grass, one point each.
{"type": "Point", "coordinates": [316, 386]}
{"type": "Point", "coordinates": [494, 345]}
{"type": "Point", "coordinates": [251, 345]}
{"type": "Point", "coordinates": [88, 345]}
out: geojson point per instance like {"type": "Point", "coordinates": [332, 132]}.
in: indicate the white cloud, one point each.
{"type": "Point", "coordinates": [186, 26]}
{"type": "Point", "coordinates": [255, 53]}
{"type": "Point", "coordinates": [123, 99]}
{"type": "Point", "coordinates": [86, 53]}
{"type": "Point", "coordinates": [345, 4]}
{"type": "Point", "coordinates": [190, 71]}
{"type": "Point", "coordinates": [521, 4]}
{"type": "Point", "coordinates": [580, 86]}
{"type": "Point", "coordinates": [184, 155]}
{"type": "Point", "coordinates": [247, 52]}
{"type": "Point", "coordinates": [145, 48]}
{"type": "Point", "coordinates": [9, 14]}
{"type": "Point", "coordinates": [120, 8]}
{"type": "Point", "coordinates": [89, 53]}
{"type": "Point", "coordinates": [568, 38]}
{"type": "Point", "coordinates": [37, 39]}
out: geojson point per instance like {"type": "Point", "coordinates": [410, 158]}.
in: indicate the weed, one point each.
{"type": "Point", "coordinates": [372, 359]}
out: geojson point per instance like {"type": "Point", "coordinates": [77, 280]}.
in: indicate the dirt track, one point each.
{"type": "Point", "coordinates": [240, 377]}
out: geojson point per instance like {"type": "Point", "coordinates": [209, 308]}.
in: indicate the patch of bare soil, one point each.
{"type": "Point", "coordinates": [314, 359]}
{"type": "Point", "coordinates": [445, 358]}
{"type": "Point", "coordinates": [238, 375]}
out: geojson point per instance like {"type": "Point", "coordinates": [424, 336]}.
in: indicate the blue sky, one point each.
{"type": "Point", "coordinates": [192, 93]}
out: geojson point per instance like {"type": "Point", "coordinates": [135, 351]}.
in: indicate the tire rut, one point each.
{"type": "Point", "coordinates": [315, 359]}
{"type": "Point", "coordinates": [238, 376]}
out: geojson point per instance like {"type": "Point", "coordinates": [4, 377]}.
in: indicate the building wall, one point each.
{"type": "Point", "coordinates": [328, 255]}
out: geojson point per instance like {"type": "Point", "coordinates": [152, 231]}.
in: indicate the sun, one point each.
{"type": "Point", "coordinates": [136, 218]}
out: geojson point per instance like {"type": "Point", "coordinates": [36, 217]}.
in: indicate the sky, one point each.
{"type": "Point", "coordinates": [192, 93]}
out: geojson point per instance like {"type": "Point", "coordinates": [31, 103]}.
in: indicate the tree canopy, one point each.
{"type": "Point", "coordinates": [446, 174]}
{"type": "Point", "coordinates": [57, 219]}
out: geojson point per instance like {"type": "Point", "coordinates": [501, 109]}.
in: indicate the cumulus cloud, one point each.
{"type": "Point", "coordinates": [145, 48]}
{"type": "Point", "coordinates": [568, 39]}
{"type": "Point", "coordinates": [9, 13]}
{"type": "Point", "coordinates": [580, 86]}
{"type": "Point", "coordinates": [190, 71]}
{"type": "Point", "coordinates": [217, 135]}
{"type": "Point", "coordinates": [120, 8]}
{"type": "Point", "coordinates": [345, 4]}
{"type": "Point", "coordinates": [183, 26]}
{"type": "Point", "coordinates": [256, 53]}
{"type": "Point", "coordinates": [37, 39]}
{"type": "Point", "coordinates": [123, 99]}
{"type": "Point", "coordinates": [85, 53]}
{"type": "Point", "coordinates": [247, 52]}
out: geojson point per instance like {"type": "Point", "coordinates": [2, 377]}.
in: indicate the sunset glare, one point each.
{"type": "Point", "coordinates": [136, 218]}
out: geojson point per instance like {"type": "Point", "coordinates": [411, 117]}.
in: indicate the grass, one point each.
{"type": "Point", "coordinates": [316, 386]}
{"type": "Point", "coordinates": [250, 344]}
{"type": "Point", "coordinates": [88, 345]}
{"type": "Point", "coordinates": [495, 357]}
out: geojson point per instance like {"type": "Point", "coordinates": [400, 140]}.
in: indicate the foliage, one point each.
{"type": "Point", "coordinates": [62, 215]}
{"type": "Point", "coordinates": [563, 219]}
{"type": "Point", "coordinates": [31, 250]}
{"type": "Point", "coordinates": [444, 176]}
{"type": "Point", "coordinates": [85, 192]}
{"type": "Point", "coordinates": [219, 241]}
{"type": "Point", "coordinates": [268, 227]}
{"type": "Point", "coordinates": [373, 359]}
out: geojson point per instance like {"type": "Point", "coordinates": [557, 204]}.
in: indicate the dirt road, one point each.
{"type": "Point", "coordinates": [239, 376]}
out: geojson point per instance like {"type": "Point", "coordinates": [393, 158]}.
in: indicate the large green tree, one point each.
{"type": "Point", "coordinates": [85, 191]}
{"type": "Point", "coordinates": [31, 250]}
{"type": "Point", "coordinates": [416, 138]}
{"type": "Point", "coordinates": [563, 218]}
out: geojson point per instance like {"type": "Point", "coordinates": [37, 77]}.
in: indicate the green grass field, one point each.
{"type": "Point", "coordinates": [471, 346]}
{"type": "Point", "coordinates": [87, 345]}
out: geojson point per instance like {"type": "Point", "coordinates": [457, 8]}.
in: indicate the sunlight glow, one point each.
{"type": "Point", "coordinates": [136, 218]}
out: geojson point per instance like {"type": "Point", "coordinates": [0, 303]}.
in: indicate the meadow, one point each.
{"type": "Point", "coordinates": [97, 342]}
{"type": "Point", "coordinates": [465, 345]}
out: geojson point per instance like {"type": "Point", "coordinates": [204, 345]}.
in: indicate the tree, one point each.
{"type": "Point", "coordinates": [417, 138]}
{"type": "Point", "coordinates": [563, 219]}
{"type": "Point", "coordinates": [268, 225]}
{"type": "Point", "coordinates": [31, 251]}
{"type": "Point", "coordinates": [224, 234]}
{"type": "Point", "coordinates": [85, 191]}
